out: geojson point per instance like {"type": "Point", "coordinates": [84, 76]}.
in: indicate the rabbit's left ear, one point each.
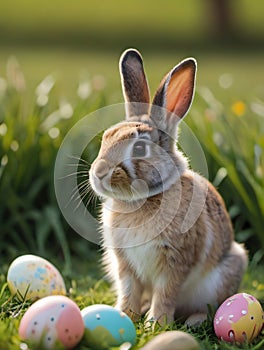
{"type": "Point", "coordinates": [134, 83]}
{"type": "Point", "coordinates": [175, 94]}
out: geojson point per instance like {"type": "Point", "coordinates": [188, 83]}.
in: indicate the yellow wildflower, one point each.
{"type": "Point", "coordinates": [238, 108]}
{"type": "Point", "coordinates": [260, 287]}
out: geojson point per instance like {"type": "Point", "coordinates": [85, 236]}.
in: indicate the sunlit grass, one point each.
{"type": "Point", "coordinates": [90, 289]}
{"type": "Point", "coordinates": [233, 136]}
{"type": "Point", "coordinates": [241, 73]}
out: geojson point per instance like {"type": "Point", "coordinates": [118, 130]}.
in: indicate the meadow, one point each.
{"type": "Point", "coordinates": [56, 68]}
{"type": "Point", "coordinates": [226, 118]}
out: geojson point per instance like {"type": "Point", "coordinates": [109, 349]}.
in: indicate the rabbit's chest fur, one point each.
{"type": "Point", "coordinates": [134, 242]}
{"type": "Point", "coordinates": [144, 260]}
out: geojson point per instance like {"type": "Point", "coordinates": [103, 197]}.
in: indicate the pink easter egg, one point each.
{"type": "Point", "coordinates": [53, 319]}
{"type": "Point", "coordinates": [239, 319]}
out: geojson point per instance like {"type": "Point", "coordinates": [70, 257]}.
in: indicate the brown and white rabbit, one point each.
{"type": "Point", "coordinates": [165, 228]}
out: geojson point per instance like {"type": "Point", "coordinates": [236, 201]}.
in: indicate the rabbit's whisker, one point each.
{"type": "Point", "coordinates": [79, 159]}
{"type": "Point", "coordinates": [79, 173]}
{"type": "Point", "coordinates": [76, 191]}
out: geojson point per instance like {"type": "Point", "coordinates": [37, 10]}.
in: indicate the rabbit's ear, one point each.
{"type": "Point", "coordinates": [175, 94]}
{"type": "Point", "coordinates": [134, 83]}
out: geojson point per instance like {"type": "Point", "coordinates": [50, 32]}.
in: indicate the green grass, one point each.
{"type": "Point", "coordinates": [233, 139]}
{"type": "Point", "coordinates": [70, 66]}
{"type": "Point", "coordinates": [92, 289]}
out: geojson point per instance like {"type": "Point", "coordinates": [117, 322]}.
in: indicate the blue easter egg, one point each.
{"type": "Point", "coordinates": [108, 326]}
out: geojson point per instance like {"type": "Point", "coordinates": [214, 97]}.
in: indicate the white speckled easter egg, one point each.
{"type": "Point", "coordinates": [172, 340]}
{"type": "Point", "coordinates": [52, 320]}
{"type": "Point", "coordinates": [33, 277]}
{"type": "Point", "coordinates": [107, 326]}
{"type": "Point", "coordinates": [239, 319]}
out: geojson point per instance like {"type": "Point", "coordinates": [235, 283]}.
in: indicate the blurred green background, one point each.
{"type": "Point", "coordinates": [78, 45]}
{"type": "Point", "coordinates": [66, 37]}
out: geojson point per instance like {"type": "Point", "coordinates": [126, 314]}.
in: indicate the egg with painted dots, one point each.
{"type": "Point", "coordinates": [31, 277]}
{"type": "Point", "coordinates": [52, 320]}
{"type": "Point", "coordinates": [239, 319]}
{"type": "Point", "coordinates": [107, 327]}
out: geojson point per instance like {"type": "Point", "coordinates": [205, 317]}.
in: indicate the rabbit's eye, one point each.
{"type": "Point", "coordinates": [139, 149]}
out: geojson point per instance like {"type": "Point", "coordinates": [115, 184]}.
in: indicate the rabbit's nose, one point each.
{"type": "Point", "coordinates": [101, 168]}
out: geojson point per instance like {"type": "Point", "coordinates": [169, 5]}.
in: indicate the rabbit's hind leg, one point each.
{"type": "Point", "coordinates": [224, 280]}
{"type": "Point", "coordinates": [232, 267]}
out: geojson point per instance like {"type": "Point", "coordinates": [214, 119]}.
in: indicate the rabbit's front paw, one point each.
{"type": "Point", "coordinates": [162, 318]}
{"type": "Point", "coordinates": [135, 316]}
{"type": "Point", "coordinates": [129, 311]}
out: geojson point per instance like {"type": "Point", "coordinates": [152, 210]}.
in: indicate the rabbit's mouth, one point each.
{"type": "Point", "coordinates": [118, 185]}
{"type": "Point", "coordinates": [132, 180]}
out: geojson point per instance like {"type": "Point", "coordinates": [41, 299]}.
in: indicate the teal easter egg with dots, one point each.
{"type": "Point", "coordinates": [106, 326]}
{"type": "Point", "coordinates": [31, 277]}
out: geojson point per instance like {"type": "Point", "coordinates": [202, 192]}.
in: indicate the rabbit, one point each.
{"type": "Point", "coordinates": [167, 238]}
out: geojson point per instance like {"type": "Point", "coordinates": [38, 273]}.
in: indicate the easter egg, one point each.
{"type": "Point", "coordinates": [239, 319]}
{"type": "Point", "coordinates": [52, 320]}
{"type": "Point", "coordinates": [107, 326]}
{"type": "Point", "coordinates": [33, 277]}
{"type": "Point", "coordinates": [172, 340]}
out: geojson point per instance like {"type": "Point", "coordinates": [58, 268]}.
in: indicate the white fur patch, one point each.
{"type": "Point", "coordinates": [143, 259]}
{"type": "Point", "coordinates": [199, 290]}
